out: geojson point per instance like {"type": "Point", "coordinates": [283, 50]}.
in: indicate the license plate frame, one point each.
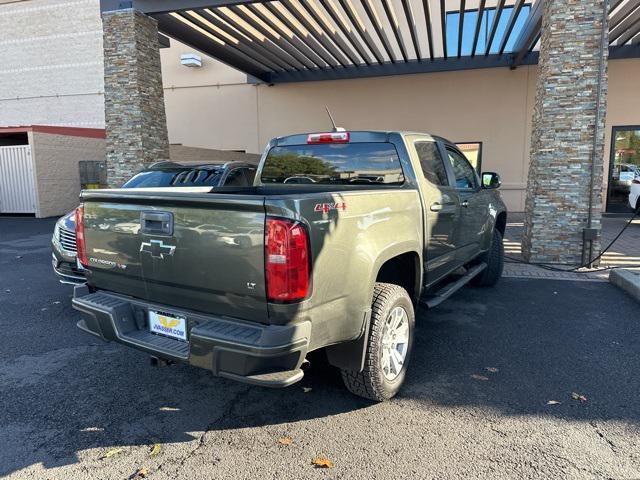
{"type": "Point", "coordinates": [168, 325]}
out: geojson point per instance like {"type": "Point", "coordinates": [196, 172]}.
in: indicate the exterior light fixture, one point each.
{"type": "Point", "coordinates": [191, 60]}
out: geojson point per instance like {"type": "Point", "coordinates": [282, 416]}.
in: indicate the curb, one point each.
{"type": "Point", "coordinates": [627, 281]}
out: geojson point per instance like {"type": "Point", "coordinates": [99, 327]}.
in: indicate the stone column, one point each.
{"type": "Point", "coordinates": [135, 117]}
{"type": "Point", "coordinates": [557, 204]}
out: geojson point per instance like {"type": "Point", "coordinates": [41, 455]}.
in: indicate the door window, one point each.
{"type": "Point", "coordinates": [472, 152]}
{"type": "Point", "coordinates": [250, 174]}
{"type": "Point", "coordinates": [431, 163]}
{"type": "Point", "coordinates": [464, 173]}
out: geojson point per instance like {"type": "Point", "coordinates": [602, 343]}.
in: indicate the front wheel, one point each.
{"type": "Point", "coordinates": [494, 259]}
{"type": "Point", "coordinates": [388, 347]}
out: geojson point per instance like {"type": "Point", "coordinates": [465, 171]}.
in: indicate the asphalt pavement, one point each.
{"type": "Point", "coordinates": [476, 403]}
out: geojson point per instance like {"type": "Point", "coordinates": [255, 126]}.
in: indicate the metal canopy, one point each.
{"type": "Point", "coordinates": [301, 40]}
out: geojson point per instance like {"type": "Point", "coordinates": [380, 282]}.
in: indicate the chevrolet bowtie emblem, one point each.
{"type": "Point", "coordinates": [157, 248]}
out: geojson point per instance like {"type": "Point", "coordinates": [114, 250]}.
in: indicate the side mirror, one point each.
{"type": "Point", "coordinates": [490, 180]}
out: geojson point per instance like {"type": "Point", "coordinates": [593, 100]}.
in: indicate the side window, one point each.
{"type": "Point", "coordinates": [236, 178]}
{"type": "Point", "coordinates": [431, 163]}
{"type": "Point", "coordinates": [251, 174]}
{"type": "Point", "coordinates": [463, 171]}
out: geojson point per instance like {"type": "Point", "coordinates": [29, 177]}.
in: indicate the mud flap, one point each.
{"type": "Point", "coordinates": [350, 355]}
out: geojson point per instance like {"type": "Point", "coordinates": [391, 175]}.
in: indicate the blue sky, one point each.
{"type": "Point", "coordinates": [469, 26]}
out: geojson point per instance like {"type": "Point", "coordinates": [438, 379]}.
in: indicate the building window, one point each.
{"type": "Point", "coordinates": [469, 28]}
{"type": "Point", "coordinates": [473, 152]}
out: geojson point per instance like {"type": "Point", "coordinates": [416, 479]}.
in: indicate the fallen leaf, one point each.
{"type": "Point", "coordinates": [322, 462]}
{"type": "Point", "coordinates": [306, 389]}
{"type": "Point", "coordinates": [577, 396]}
{"type": "Point", "coordinates": [155, 450]}
{"type": "Point", "coordinates": [140, 473]}
{"type": "Point", "coordinates": [491, 369]}
{"type": "Point", "coordinates": [553, 402]}
{"type": "Point", "coordinates": [479, 377]}
{"type": "Point", "coordinates": [285, 441]}
{"type": "Point", "coordinates": [113, 451]}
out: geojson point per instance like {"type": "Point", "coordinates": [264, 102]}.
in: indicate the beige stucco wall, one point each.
{"type": "Point", "coordinates": [183, 154]}
{"type": "Point", "coordinates": [56, 169]}
{"type": "Point", "coordinates": [488, 106]}
{"type": "Point", "coordinates": [213, 107]}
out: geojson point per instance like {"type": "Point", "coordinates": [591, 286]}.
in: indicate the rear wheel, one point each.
{"type": "Point", "coordinates": [388, 347]}
{"type": "Point", "coordinates": [494, 258]}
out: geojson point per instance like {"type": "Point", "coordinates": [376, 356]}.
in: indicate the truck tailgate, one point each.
{"type": "Point", "coordinates": [201, 251]}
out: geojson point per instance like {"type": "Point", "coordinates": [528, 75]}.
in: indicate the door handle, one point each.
{"type": "Point", "coordinates": [435, 207]}
{"type": "Point", "coordinates": [465, 203]}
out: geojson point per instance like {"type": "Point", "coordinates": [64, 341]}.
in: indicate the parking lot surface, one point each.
{"type": "Point", "coordinates": [531, 379]}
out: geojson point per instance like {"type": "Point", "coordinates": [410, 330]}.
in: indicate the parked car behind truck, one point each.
{"type": "Point", "coordinates": [162, 174]}
{"type": "Point", "coordinates": [387, 221]}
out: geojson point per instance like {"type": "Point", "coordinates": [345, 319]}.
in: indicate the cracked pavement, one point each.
{"type": "Point", "coordinates": [68, 399]}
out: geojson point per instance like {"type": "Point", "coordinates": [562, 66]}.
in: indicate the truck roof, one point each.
{"type": "Point", "coordinates": [356, 136]}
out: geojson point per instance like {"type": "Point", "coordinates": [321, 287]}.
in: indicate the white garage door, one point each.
{"type": "Point", "coordinates": [17, 188]}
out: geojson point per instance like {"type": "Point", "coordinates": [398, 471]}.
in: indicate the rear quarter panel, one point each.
{"type": "Point", "coordinates": [348, 247]}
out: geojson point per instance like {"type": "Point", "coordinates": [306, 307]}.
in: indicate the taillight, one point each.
{"type": "Point", "coordinates": [80, 244]}
{"type": "Point", "coordinates": [331, 137]}
{"type": "Point", "coordinates": [286, 260]}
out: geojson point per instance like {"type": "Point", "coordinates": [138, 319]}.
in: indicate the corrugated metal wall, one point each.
{"type": "Point", "coordinates": [17, 186]}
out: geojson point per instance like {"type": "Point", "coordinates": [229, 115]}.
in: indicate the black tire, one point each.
{"type": "Point", "coordinates": [371, 382]}
{"type": "Point", "coordinates": [494, 259]}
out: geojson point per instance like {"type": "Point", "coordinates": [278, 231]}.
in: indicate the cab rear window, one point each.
{"type": "Point", "coordinates": [344, 164]}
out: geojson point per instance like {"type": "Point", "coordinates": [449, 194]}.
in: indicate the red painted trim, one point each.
{"type": "Point", "coordinates": [53, 130]}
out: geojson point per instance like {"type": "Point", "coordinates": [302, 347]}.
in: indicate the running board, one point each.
{"type": "Point", "coordinates": [436, 299]}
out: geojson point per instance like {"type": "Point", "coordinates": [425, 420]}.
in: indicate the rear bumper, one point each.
{"type": "Point", "coordinates": [267, 355]}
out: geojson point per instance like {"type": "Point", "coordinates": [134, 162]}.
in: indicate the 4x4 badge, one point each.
{"type": "Point", "coordinates": [157, 248]}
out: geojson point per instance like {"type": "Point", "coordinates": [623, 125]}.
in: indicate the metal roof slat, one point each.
{"type": "Point", "coordinates": [348, 33]}
{"type": "Point", "coordinates": [391, 15]}
{"type": "Point", "coordinates": [515, 12]}
{"type": "Point", "coordinates": [632, 30]}
{"type": "Point", "coordinates": [267, 44]}
{"type": "Point", "coordinates": [201, 42]}
{"type": "Point", "coordinates": [443, 26]}
{"type": "Point", "coordinates": [427, 16]}
{"type": "Point", "coordinates": [185, 15]}
{"type": "Point", "coordinates": [460, 27]}
{"type": "Point", "coordinates": [494, 26]}
{"type": "Point", "coordinates": [335, 57]}
{"type": "Point", "coordinates": [620, 15]}
{"type": "Point", "coordinates": [413, 27]}
{"type": "Point", "coordinates": [627, 24]}
{"type": "Point", "coordinates": [366, 36]}
{"type": "Point", "coordinates": [341, 45]}
{"type": "Point", "coordinates": [296, 40]}
{"type": "Point", "coordinates": [372, 13]}
{"type": "Point", "coordinates": [614, 4]}
{"type": "Point", "coordinates": [247, 48]}
{"type": "Point", "coordinates": [476, 34]}
{"type": "Point", "coordinates": [529, 34]}
{"type": "Point", "coordinates": [279, 39]}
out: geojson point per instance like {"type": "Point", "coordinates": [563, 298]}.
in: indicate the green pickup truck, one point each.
{"type": "Point", "coordinates": [340, 238]}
